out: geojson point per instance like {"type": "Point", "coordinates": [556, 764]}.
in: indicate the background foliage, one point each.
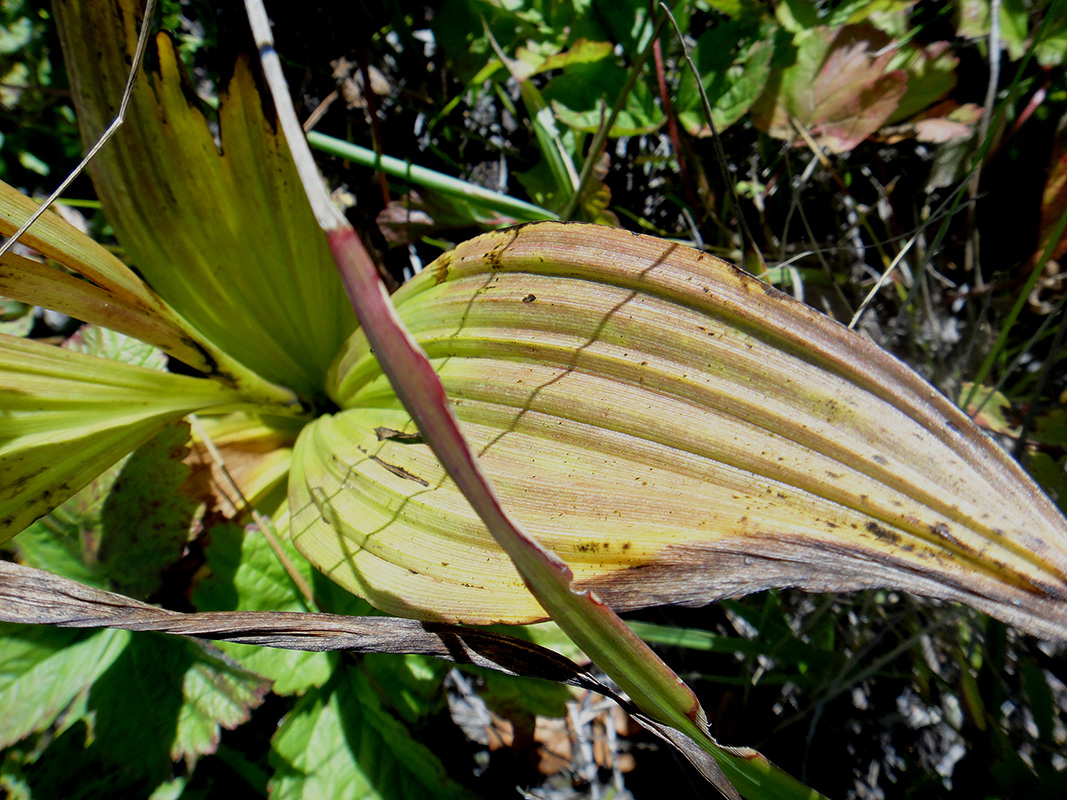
{"type": "Point", "coordinates": [857, 135]}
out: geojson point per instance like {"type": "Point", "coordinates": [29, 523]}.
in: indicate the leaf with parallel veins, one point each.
{"type": "Point", "coordinates": [673, 429]}
{"type": "Point", "coordinates": [68, 416]}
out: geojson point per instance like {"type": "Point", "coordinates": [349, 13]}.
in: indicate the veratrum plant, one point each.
{"type": "Point", "coordinates": [659, 427]}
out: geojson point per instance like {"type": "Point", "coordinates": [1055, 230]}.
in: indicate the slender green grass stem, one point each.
{"type": "Point", "coordinates": [1016, 309]}
{"type": "Point", "coordinates": [431, 179]}
{"type": "Point", "coordinates": [601, 136]}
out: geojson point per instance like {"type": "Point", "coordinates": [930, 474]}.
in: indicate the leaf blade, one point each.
{"type": "Point", "coordinates": [69, 416]}
{"type": "Point", "coordinates": [788, 437]}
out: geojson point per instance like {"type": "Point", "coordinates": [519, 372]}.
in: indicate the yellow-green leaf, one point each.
{"type": "Point", "coordinates": [112, 295]}
{"type": "Point", "coordinates": [66, 417]}
{"type": "Point", "coordinates": [673, 429]}
{"type": "Point", "coordinates": [236, 250]}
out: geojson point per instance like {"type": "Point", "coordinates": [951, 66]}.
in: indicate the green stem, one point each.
{"type": "Point", "coordinates": [1016, 309]}
{"type": "Point", "coordinates": [421, 176]}
{"type": "Point", "coordinates": [601, 136]}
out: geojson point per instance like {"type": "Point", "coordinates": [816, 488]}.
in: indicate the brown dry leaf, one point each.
{"type": "Point", "coordinates": [592, 724]}
{"type": "Point", "coordinates": [255, 450]}
{"type": "Point", "coordinates": [944, 122]}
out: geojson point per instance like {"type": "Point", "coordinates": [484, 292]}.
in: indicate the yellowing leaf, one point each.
{"type": "Point", "coordinates": [112, 295]}
{"type": "Point", "coordinates": [66, 417]}
{"type": "Point", "coordinates": [258, 280]}
{"type": "Point", "coordinates": [673, 429]}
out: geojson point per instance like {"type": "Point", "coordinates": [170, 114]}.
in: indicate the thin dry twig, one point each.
{"type": "Point", "coordinates": [142, 41]}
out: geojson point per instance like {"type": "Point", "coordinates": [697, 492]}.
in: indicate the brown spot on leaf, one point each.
{"type": "Point", "coordinates": [400, 472]}
{"type": "Point", "coordinates": [441, 267]}
{"type": "Point", "coordinates": [391, 434]}
{"type": "Point", "coordinates": [883, 533]}
{"type": "Point", "coordinates": [529, 298]}
{"type": "Point", "coordinates": [942, 531]}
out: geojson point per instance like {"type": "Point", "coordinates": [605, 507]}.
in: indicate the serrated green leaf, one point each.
{"type": "Point", "coordinates": [43, 669]}
{"type": "Point", "coordinates": [68, 417]}
{"type": "Point", "coordinates": [582, 97]}
{"type": "Point", "coordinates": [245, 575]}
{"type": "Point", "coordinates": [217, 694]}
{"type": "Point", "coordinates": [137, 703]}
{"type": "Point", "coordinates": [165, 698]}
{"type": "Point", "coordinates": [93, 340]}
{"type": "Point", "coordinates": [256, 275]}
{"type": "Point", "coordinates": [733, 60]}
{"type": "Point", "coordinates": [145, 520]}
{"type": "Point", "coordinates": [339, 743]}
{"type": "Point", "coordinates": [841, 88]}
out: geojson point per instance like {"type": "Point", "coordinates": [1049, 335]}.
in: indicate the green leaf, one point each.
{"type": "Point", "coordinates": [245, 575]}
{"type": "Point", "coordinates": [411, 684]}
{"type": "Point", "coordinates": [890, 16]}
{"type": "Point", "coordinates": [42, 670]}
{"type": "Point", "coordinates": [94, 340]}
{"type": "Point", "coordinates": [630, 23]}
{"type": "Point", "coordinates": [583, 52]}
{"type": "Point", "coordinates": [509, 695]}
{"type": "Point", "coordinates": [166, 698]}
{"type": "Point", "coordinates": [1051, 475]}
{"type": "Point", "coordinates": [217, 694]}
{"type": "Point", "coordinates": [68, 417]}
{"type": "Point", "coordinates": [734, 61]}
{"type": "Point", "coordinates": [583, 95]}
{"type": "Point", "coordinates": [111, 294]}
{"type": "Point", "coordinates": [1051, 47]}
{"type": "Point", "coordinates": [972, 21]}
{"type": "Point", "coordinates": [931, 75]}
{"type": "Point", "coordinates": [695, 639]}
{"type": "Point", "coordinates": [480, 200]}
{"type": "Point", "coordinates": [989, 409]}
{"type": "Point", "coordinates": [145, 519]}
{"type": "Point", "coordinates": [841, 88]}
{"type": "Point", "coordinates": [16, 319]}
{"type": "Point", "coordinates": [339, 743]}
{"type": "Point", "coordinates": [717, 423]}
{"type": "Point", "coordinates": [66, 541]}
{"type": "Point", "coordinates": [137, 703]}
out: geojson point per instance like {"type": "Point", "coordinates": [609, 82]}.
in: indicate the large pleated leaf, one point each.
{"type": "Point", "coordinates": [65, 417]}
{"type": "Point", "coordinates": [221, 230]}
{"type": "Point", "coordinates": [676, 431]}
{"type": "Point", "coordinates": [107, 292]}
